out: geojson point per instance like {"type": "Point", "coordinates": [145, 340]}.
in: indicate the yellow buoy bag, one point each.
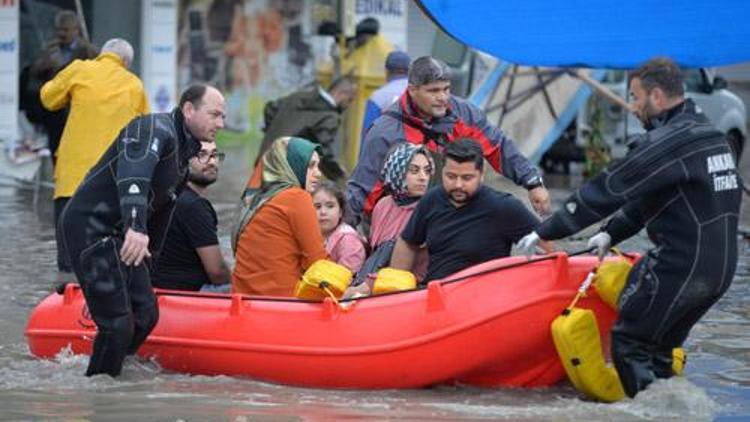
{"type": "Point", "coordinates": [610, 279]}
{"type": "Point", "coordinates": [679, 360]}
{"type": "Point", "coordinates": [393, 280]}
{"type": "Point", "coordinates": [323, 274]}
{"type": "Point", "coordinates": [576, 337]}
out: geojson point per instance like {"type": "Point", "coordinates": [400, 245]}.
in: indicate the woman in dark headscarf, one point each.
{"type": "Point", "coordinates": [278, 236]}
{"type": "Point", "coordinates": [406, 175]}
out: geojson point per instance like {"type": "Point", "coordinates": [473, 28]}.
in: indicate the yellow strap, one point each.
{"type": "Point", "coordinates": [584, 286]}
{"type": "Point", "coordinates": [579, 295]}
{"type": "Point", "coordinates": [324, 286]}
{"type": "Point", "coordinates": [617, 252]}
{"type": "Point", "coordinates": [590, 279]}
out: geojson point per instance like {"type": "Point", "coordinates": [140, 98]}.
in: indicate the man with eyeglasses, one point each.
{"type": "Point", "coordinates": [191, 258]}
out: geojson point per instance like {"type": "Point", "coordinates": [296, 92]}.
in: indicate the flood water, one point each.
{"type": "Point", "coordinates": [716, 386]}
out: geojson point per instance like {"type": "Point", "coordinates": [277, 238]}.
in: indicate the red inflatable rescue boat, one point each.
{"type": "Point", "coordinates": [488, 325]}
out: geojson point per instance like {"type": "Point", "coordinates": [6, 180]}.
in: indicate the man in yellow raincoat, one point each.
{"type": "Point", "coordinates": [103, 97]}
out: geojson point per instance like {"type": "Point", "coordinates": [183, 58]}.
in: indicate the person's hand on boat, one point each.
{"type": "Point", "coordinates": [539, 198]}
{"type": "Point", "coordinates": [602, 241]}
{"type": "Point", "coordinates": [134, 248]}
{"type": "Point", "coordinates": [528, 244]}
{"type": "Point", "coordinates": [353, 292]}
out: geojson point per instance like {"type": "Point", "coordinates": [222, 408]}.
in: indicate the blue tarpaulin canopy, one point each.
{"type": "Point", "coordinates": [599, 34]}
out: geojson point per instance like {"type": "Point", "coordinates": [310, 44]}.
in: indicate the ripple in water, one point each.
{"type": "Point", "coordinates": [146, 383]}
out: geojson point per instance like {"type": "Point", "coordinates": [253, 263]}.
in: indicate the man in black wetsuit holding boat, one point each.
{"type": "Point", "coordinates": [679, 181]}
{"type": "Point", "coordinates": [119, 216]}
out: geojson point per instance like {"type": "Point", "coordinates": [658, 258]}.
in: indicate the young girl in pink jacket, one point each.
{"type": "Point", "coordinates": [343, 243]}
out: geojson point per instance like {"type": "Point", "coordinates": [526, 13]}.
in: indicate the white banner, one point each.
{"type": "Point", "coordinates": [159, 53]}
{"type": "Point", "coordinates": [392, 15]}
{"type": "Point", "coordinates": [9, 45]}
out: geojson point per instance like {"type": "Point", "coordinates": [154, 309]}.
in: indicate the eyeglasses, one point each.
{"type": "Point", "coordinates": [205, 156]}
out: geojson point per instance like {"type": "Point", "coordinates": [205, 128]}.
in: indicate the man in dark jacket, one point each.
{"type": "Point", "coordinates": [314, 115]}
{"type": "Point", "coordinates": [681, 184]}
{"type": "Point", "coordinates": [68, 45]}
{"type": "Point", "coordinates": [119, 216]}
{"type": "Point", "coordinates": [428, 114]}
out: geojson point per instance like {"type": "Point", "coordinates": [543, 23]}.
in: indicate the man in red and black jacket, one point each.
{"type": "Point", "coordinates": [428, 114]}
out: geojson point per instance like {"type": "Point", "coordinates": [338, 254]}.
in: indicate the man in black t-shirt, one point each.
{"type": "Point", "coordinates": [191, 258]}
{"type": "Point", "coordinates": [462, 222]}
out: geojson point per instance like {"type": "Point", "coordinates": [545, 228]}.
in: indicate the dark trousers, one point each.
{"type": "Point", "coordinates": [63, 262]}
{"type": "Point", "coordinates": [121, 302]}
{"type": "Point", "coordinates": [657, 312]}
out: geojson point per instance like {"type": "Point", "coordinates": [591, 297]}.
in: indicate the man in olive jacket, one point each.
{"type": "Point", "coordinates": [311, 114]}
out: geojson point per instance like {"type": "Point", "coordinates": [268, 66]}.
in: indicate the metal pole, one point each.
{"type": "Point", "coordinates": [599, 88]}
{"type": "Point", "coordinates": [627, 115]}
{"type": "Point", "coordinates": [82, 20]}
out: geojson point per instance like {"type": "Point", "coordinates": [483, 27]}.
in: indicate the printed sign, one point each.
{"type": "Point", "coordinates": [9, 70]}
{"type": "Point", "coordinates": [159, 55]}
{"type": "Point", "coordinates": [392, 17]}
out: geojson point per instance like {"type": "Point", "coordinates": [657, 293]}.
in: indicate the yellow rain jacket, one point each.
{"type": "Point", "coordinates": [103, 96]}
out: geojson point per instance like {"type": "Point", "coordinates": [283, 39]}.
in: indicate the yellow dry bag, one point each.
{"type": "Point", "coordinates": [393, 280]}
{"type": "Point", "coordinates": [610, 279]}
{"type": "Point", "coordinates": [323, 278]}
{"type": "Point", "coordinates": [609, 282]}
{"type": "Point", "coordinates": [679, 360]}
{"type": "Point", "coordinates": [577, 340]}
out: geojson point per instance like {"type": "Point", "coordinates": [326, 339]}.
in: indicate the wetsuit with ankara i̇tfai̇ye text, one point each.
{"type": "Point", "coordinates": [680, 183]}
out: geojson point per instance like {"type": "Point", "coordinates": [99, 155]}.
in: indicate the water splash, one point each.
{"type": "Point", "coordinates": [66, 370]}
{"type": "Point", "coordinates": [673, 399]}
{"type": "Point", "coordinates": [666, 400]}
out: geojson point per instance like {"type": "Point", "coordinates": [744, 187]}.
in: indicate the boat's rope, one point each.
{"type": "Point", "coordinates": [591, 277]}
{"type": "Point", "coordinates": [582, 290]}
{"type": "Point", "coordinates": [325, 287]}
{"type": "Point", "coordinates": [518, 264]}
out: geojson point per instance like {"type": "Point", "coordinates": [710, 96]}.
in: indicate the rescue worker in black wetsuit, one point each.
{"type": "Point", "coordinates": [119, 216]}
{"type": "Point", "coordinates": [681, 184]}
